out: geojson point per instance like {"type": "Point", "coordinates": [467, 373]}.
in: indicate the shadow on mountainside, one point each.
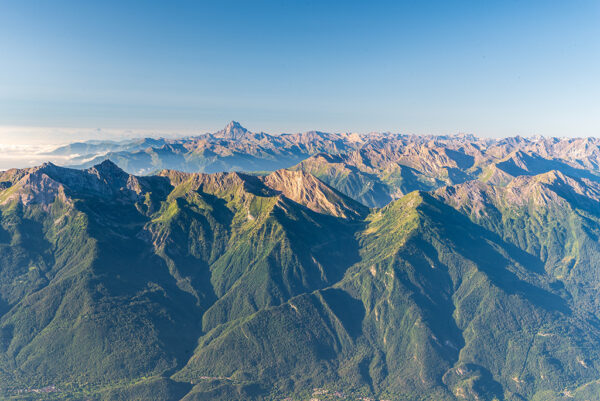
{"type": "Point", "coordinates": [482, 247]}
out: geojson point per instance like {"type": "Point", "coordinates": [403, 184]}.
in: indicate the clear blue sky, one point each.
{"type": "Point", "coordinates": [493, 68]}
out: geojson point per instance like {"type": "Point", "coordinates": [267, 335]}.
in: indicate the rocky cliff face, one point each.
{"type": "Point", "coordinates": [394, 164]}
{"type": "Point", "coordinates": [477, 278]}
{"type": "Point", "coordinates": [307, 190]}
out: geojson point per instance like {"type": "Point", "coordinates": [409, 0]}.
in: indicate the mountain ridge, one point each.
{"type": "Point", "coordinates": [474, 280]}
{"type": "Point", "coordinates": [398, 163]}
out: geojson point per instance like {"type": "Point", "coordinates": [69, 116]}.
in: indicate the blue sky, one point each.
{"type": "Point", "coordinates": [492, 68]}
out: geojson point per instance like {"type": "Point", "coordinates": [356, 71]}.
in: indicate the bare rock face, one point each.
{"type": "Point", "coordinates": [44, 184]}
{"type": "Point", "coordinates": [499, 259]}
{"type": "Point", "coordinates": [39, 188]}
{"type": "Point", "coordinates": [307, 190]}
{"type": "Point", "coordinates": [547, 190]}
{"type": "Point", "coordinates": [31, 186]}
{"type": "Point", "coordinates": [373, 168]}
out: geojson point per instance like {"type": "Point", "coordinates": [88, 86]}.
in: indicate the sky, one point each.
{"type": "Point", "coordinates": [107, 69]}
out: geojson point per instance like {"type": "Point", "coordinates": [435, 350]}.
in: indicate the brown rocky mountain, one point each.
{"type": "Point", "coordinates": [372, 168]}
{"type": "Point", "coordinates": [477, 280]}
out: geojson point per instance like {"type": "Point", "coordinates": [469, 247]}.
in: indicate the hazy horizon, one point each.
{"type": "Point", "coordinates": [29, 146]}
{"type": "Point", "coordinates": [493, 69]}
{"type": "Point", "coordinates": [50, 137]}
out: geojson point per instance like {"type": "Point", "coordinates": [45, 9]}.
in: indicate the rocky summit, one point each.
{"type": "Point", "coordinates": [250, 266]}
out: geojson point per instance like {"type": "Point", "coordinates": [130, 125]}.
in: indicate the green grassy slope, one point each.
{"type": "Point", "coordinates": [196, 287]}
{"type": "Point", "coordinates": [417, 317]}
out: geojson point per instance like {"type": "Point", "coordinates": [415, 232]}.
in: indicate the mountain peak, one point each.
{"type": "Point", "coordinates": [553, 177]}
{"type": "Point", "coordinates": [309, 191]}
{"type": "Point", "coordinates": [233, 130]}
{"type": "Point", "coordinates": [107, 163]}
{"type": "Point", "coordinates": [47, 164]}
{"type": "Point", "coordinates": [234, 127]}
{"type": "Point", "coordinates": [234, 124]}
{"type": "Point", "coordinates": [109, 167]}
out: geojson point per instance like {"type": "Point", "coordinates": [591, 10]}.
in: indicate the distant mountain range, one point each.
{"type": "Point", "coordinates": [383, 267]}
{"type": "Point", "coordinates": [372, 168]}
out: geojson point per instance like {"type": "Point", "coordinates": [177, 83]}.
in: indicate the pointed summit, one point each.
{"type": "Point", "coordinates": [233, 130]}
{"type": "Point", "coordinates": [110, 173]}
{"type": "Point", "coordinates": [234, 125]}
{"type": "Point", "coordinates": [109, 167]}
{"type": "Point", "coordinates": [47, 164]}
{"type": "Point", "coordinates": [107, 163]}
